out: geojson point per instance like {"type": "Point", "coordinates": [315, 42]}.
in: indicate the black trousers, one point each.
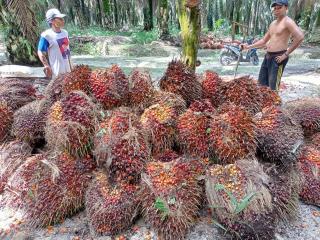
{"type": "Point", "coordinates": [271, 71]}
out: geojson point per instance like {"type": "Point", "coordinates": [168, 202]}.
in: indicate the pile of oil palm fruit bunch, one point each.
{"type": "Point", "coordinates": [122, 148]}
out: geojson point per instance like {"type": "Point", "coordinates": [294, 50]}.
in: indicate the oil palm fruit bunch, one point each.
{"type": "Point", "coordinates": [71, 123]}
{"type": "Point", "coordinates": [306, 111]}
{"type": "Point", "coordinates": [181, 80]}
{"type": "Point", "coordinates": [12, 155]}
{"type": "Point", "coordinates": [110, 208]}
{"type": "Point", "coordinates": [140, 88]}
{"type": "Point", "coordinates": [29, 121]}
{"type": "Point", "coordinates": [315, 140]}
{"type": "Point", "coordinates": [17, 92]}
{"type": "Point", "coordinates": [159, 122]}
{"type": "Point", "coordinates": [243, 91]}
{"type": "Point", "coordinates": [54, 90]}
{"type": "Point", "coordinates": [6, 119]}
{"type": "Point", "coordinates": [166, 156]}
{"type": "Point", "coordinates": [309, 164]}
{"type": "Point", "coordinates": [77, 79]}
{"type": "Point", "coordinates": [279, 135]}
{"type": "Point", "coordinates": [211, 83]}
{"type": "Point", "coordinates": [169, 99]}
{"type": "Point", "coordinates": [240, 199]}
{"type": "Point", "coordinates": [110, 87]}
{"type": "Point", "coordinates": [193, 128]}
{"type": "Point", "coordinates": [285, 185]}
{"type": "Point", "coordinates": [46, 189]}
{"type": "Point", "coordinates": [170, 198]}
{"type": "Point", "coordinates": [232, 134]}
{"type": "Point", "coordinates": [269, 97]}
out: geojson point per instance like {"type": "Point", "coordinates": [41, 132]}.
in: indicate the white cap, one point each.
{"type": "Point", "coordinates": [54, 13]}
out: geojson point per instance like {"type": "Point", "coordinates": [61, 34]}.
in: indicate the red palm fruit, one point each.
{"type": "Point", "coordinates": [243, 91]}
{"type": "Point", "coordinates": [170, 198]}
{"type": "Point", "coordinates": [29, 121]}
{"type": "Point", "coordinates": [309, 164]}
{"type": "Point", "coordinates": [228, 186]}
{"type": "Point", "coordinates": [12, 155]}
{"type": "Point", "coordinates": [211, 83]}
{"type": "Point", "coordinates": [159, 122]}
{"type": "Point", "coordinates": [193, 128]}
{"type": "Point", "coordinates": [6, 118]}
{"type": "Point", "coordinates": [110, 209]}
{"type": "Point", "coordinates": [169, 99]}
{"type": "Point", "coordinates": [279, 136]}
{"type": "Point", "coordinates": [70, 124]}
{"type": "Point", "coordinates": [269, 97]}
{"type": "Point", "coordinates": [140, 88]}
{"type": "Point", "coordinates": [77, 79]}
{"type": "Point", "coordinates": [180, 79]}
{"type": "Point", "coordinates": [232, 134]}
{"type": "Point", "coordinates": [167, 156]}
{"type": "Point", "coordinates": [46, 190]}
{"type": "Point", "coordinates": [306, 111]}
{"type": "Point", "coordinates": [110, 87]}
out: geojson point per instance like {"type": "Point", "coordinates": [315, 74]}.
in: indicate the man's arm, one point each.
{"type": "Point", "coordinates": [260, 43]}
{"type": "Point", "coordinates": [43, 58]}
{"type": "Point", "coordinates": [296, 34]}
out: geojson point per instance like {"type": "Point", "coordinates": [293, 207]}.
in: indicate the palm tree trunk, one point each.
{"type": "Point", "coordinates": [163, 19]}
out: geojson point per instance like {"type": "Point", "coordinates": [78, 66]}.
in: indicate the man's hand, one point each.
{"type": "Point", "coordinates": [281, 58]}
{"type": "Point", "coordinates": [47, 71]}
{"type": "Point", "coordinates": [244, 46]}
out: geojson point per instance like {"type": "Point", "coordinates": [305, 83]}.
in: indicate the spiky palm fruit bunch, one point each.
{"type": "Point", "coordinates": [309, 165]}
{"type": "Point", "coordinates": [243, 91]}
{"type": "Point", "coordinates": [70, 124]}
{"type": "Point", "coordinates": [6, 118]}
{"type": "Point", "coordinates": [17, 92]}
{"type": "Point", "coordinates": [181, 80]}
{"type": "Point", "coordinates": [54, 90]}
{"type": "Point", "coordinates": [110, 87]}
{"type": "Point", "coordinates": [307, 112]}
{"type": "Point", "coordinates": [193, 128]}
{"type": "Point", "coordinates": [140, 88]}
{"type": "Point", "coordinates": [29, 121]}
{"type": "Point", "coordinates": [12, 155]}
{"type": "Point", "coordinates": [166, 156]}
{"type": "Point", "coordinates": [46, 189]}
{"type": "Point", "coordinates": [232, 134]}
{"type": "Point", "coordinates": [269, 97]}
{"type": "Point", "coordinates": [285, 186]}
{"type": "Point", "coordinates": [77, 79]}
{"type": "Point", "coordinates": [170, 198]}
{"type": "Point", "coordinates": [159, 122]}
{"type": "Point", "coordinates": [315, 140]}
{"type": "Point", "coordinates": [279, 136]}
{"type": "Point", "coordinates": [169, 99]}
{"type": "Point", "coordinates": [243, 201]}
{"type": "Point", "coordinates": [110, 209]}
{"type": "Point", "coordinates": [211, 83]}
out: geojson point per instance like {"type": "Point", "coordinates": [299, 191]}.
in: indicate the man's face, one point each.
{"type": "Point", "coordinates": [279, 10]}
{"type": "Point", "coordinates": [58, 22]}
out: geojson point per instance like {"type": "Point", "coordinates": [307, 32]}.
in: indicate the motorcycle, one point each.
{"type": "Point", "coordinates": [231, 53]}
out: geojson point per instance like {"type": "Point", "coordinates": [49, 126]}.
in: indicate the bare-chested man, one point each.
{"type": "Point", "coordinates": [277, 42]}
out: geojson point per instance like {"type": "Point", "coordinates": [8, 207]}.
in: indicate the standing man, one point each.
{"type": "Point", "coordinates": [276, 41]}
{"type": "Point", "coordinates": [53, 48]}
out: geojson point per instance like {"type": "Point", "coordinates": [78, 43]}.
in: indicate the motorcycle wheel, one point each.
{"type": "Point", "coordinates": [225, 59]}
{"type": "Point", "coordinates": [254, 60]}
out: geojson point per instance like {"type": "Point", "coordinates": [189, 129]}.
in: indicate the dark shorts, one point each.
{"type": "Point", "coordinates": [271, 71]}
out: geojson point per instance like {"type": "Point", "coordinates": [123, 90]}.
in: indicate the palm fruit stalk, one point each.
{"type": "Point", "coordinates": [29, 121]}
{"type": "Point", "coordinates": [180, 79]}
{"type": "Point", "coordinates": [170, 198]}
{"type": "Point", "coordinates": [232, 134]}
{"type": "Point", "coordinates": [309, 165]}
{"type": "Point", "coordinates": [169, 99]}
{"type": "Point", "coordinates": [6, 119]}
{"type": "Point", "coordinates": [70, 124]}
{"type": "Point", "coordinates": [243, 91]}
{"type": "Point", "coordinates": [279, 136]}
{"type": "Point", "coordinates": [285, 186]}
{"type": "Point", "coordinates": [17, 92]}
{"type": "Point", "coordinates": [159, 122]}
{"type": "Point", "coordinates": [46, 189]}
{"type": "Point", "coordinates": [306, 111]}
{"type": "Point", "coordinates": [211, 84]}
{"type": "Point", "coordinates": [110, 87]}
{"type": "Point", "coordinates": [240, 199]}
{"type": "Point", "coordinates": [110, 209]}
{"type": "Point", "coordinates": [77, 79]}
{"type": "Point", "coordinates": [193, 128]}
{"type": "Point", "coordinates": [12, 155]}
{"type": "Point", "coordinates": [140, 88]}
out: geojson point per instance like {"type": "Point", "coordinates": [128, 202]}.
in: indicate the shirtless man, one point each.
{"type": "Point", "coordinates": [276, 41]}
